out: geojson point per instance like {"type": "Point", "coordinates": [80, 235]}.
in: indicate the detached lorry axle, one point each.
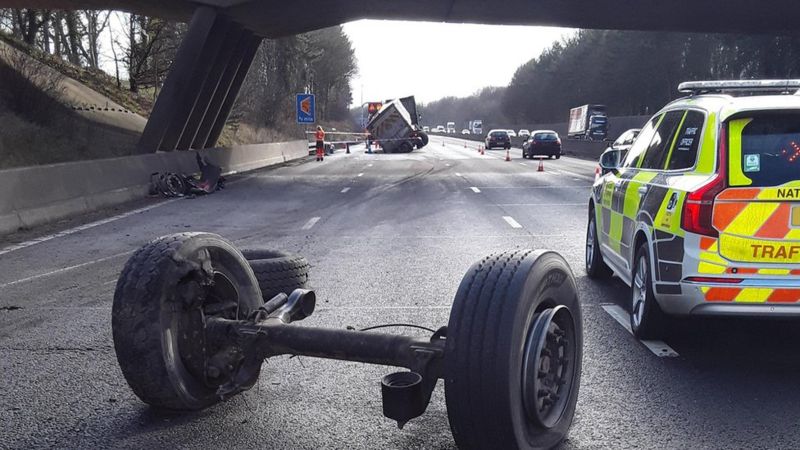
{"type": "Point", "coordinates": [191, 329]}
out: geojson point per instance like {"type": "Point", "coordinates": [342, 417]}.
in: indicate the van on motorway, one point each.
{"type": "Point", "coordinates": [703, 216]}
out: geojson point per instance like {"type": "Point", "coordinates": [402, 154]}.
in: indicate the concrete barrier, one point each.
{"type": "Point", "coordinates": [31, 196]}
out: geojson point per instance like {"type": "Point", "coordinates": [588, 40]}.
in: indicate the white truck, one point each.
{"type": "Point", "coordinates": [395, 127]}
{"type": "Point", "coordinates": [588, 122]}
{"type": "Point", "coordinates": [476, 127]}
{"type": "Point", "coordinates": [451, 128]}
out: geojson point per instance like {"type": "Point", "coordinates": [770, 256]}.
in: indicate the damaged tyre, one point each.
{"type": "Point", "coordinates": [165, 294]}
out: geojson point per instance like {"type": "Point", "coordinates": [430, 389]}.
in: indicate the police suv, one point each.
{"type": "Point", "coordinates": [703, 215]}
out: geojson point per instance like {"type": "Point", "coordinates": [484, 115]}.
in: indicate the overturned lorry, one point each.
{"type": "Point", "coordinates": [395, 126]}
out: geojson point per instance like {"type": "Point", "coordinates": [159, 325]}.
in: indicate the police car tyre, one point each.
{"type": "Point", "coordinates": [647, 319]}
{"type": "Point", "coordinates": [165, 290]}
{"type": "Point", "coordinates": [595, 266]}
{"type": "Point", "coordinates": [509, 311]}
{"type": "Point", "coordinates": [277, 272]}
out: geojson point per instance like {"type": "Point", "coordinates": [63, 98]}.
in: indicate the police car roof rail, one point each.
{"type": "Point", "coordinates": [741, 86]}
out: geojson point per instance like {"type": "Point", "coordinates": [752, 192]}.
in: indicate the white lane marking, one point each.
{"type": "Point", "coordinates": [458, 174]}
{"type": "Point", "coordinates": [448, 165]}
{"type": "Point", "coordinates": [345, 190]}
{"type": "Point", "coordinates": [369, 165]}
{"type": "Point", "coordinates": [475, 190]}
{"type": "Point", "coordinates": [659, 348]}
{"type": "Point", "coordinates": [522, 164]}
{"type": "Point", "coordinates": [510, 220]}
{"type": "Point", "coordinates": [65, 269]}
{"type": "Point", "coordinates": [361, 174]}
{"type": "Point", "coordinates": [311, 222]}
{"type": "Point", "coordinates": [80, 228]}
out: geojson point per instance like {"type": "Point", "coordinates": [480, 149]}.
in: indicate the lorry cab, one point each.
{"type": "Point", "coordinates": [703, 215]}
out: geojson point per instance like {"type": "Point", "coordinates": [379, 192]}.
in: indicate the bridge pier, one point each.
{"type": "Point", "coordinates": [202, 85]}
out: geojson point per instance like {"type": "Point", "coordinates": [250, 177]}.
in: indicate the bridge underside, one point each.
{"type": "Point", "coordinates": [224, 35]}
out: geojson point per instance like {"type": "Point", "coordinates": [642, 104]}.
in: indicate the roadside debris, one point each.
{"type": "Point", "coordinates": [207, 181]}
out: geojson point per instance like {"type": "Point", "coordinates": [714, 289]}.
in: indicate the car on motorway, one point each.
{"type": "Point", "coordinates": [616, 152]}
{"type": "Point", "coordinates": [542, 143]}
{"type": "Point", "coordinates": [703, 215]}
{"type": "Point", "coordinates": [511, 133]}
{"type": "Point", "coordinates": [426, 129]}
{"type": "Point", "coordinates": [465, 131]}
{"type": "Point", "coordinates": [523, 133]}
{"type": "Point", "coordinates": [439, 129]}
{"type": "Point", "coordinates": [497, 138]}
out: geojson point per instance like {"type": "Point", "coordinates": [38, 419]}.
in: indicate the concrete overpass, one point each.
{"type": "Point", "coordinates": [224, 36]}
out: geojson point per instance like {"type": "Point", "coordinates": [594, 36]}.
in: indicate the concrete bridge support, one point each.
{"type": "Point", "coordinates": [201, 88]}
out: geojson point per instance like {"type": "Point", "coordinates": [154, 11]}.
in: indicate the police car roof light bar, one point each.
{"type": "Point", "coordinates": [704, 87]}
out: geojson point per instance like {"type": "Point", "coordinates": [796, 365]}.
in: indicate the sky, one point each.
{"type": "Point", "coordinates": [434, 60]}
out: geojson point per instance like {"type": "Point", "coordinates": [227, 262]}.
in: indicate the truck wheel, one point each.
{"type": "Point", "coordinates": [405, 147]}
{"type": "Point", "coordinates": [424, 138]}
{"type": "Point", "coordinates": [165, 292]}
{"type": "Point", "coordinates": [647, 319]}
{"type": "Point", "coordinates": [513, 352]}
{"type": "Point", "coordinates": [277, 272]}
{"type": "Point", "coordinates": [595, 266]}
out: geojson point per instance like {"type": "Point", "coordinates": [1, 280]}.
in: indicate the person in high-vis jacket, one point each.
{"type": "Point", "coordinates": [320, 136]}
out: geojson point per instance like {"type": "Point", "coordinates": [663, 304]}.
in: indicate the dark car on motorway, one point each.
{"type": "Point", "coordinates": [542, 143]}
{"type": "Point", "coordinates": [498, 138]}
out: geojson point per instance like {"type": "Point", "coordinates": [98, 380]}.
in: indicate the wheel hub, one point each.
{"type": "Point", "coordinates": [549, 366]}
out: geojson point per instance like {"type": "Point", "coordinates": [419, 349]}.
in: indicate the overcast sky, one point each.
{"type": "Point", "coordinates": [435, 60]}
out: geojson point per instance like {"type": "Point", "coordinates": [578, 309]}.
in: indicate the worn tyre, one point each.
{"type": "Point", "coordinates": [595, 266]}
{"type": "Point", "coordinates": [277, 271]}
{"type": "Point", "coordinates": [507, 309]}
{"type": "Point", "coordinates": [405, 147]}
{"type": "Point", "coordinates": [165, 292]}
{"type": "Point", "coordinates": [648, 321]}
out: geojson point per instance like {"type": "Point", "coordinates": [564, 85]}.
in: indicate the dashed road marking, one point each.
{"type": "Point", "coordinates": [65, 269]}
{"type": "Point", "coordinates": [475, 190]}
{"type": "Point", "coordinates": [369, 165]}
{"type": "Point", "coordinates": [458, 174]}
{"type": "Point", "coordinates": [84, 227]}
{"type": "Point", "coordinates": [311, 222]}
{"type": "Point", "coordinates": [345, 190]}
{"type": "Point", "coordinates": [361, 174]}
{"type": "Point", "coordinates": [510, 220]}
{"type": "Point", "coordinates": [659, 348]}
{"type": "Point", "coordinates": [522, 164]}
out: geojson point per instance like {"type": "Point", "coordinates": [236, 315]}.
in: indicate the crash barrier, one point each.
{"type": "Point", "coordinates": [192, 326]}
{"type": "Point", "coordinates": [31, 196]}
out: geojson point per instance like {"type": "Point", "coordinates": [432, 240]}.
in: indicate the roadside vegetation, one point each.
{"type": "Point", "coordinates": [126, 58]}
{"type": "Point", "coordinates": [634, 73]}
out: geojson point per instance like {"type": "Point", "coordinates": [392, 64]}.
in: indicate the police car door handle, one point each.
{"type": "Point", "coordinates": [643, 189]}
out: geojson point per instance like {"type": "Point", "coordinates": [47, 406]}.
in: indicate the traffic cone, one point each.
{"type": "Point", "coordinates": [479, 148]}
{"type": "Point", "coordinates": [442, 142]}
{"type": "Point", "coordinates": [541, 165]}
{"type": "Point", "coordinates": [465, 144]}
{"type": "Point", "coordinates": [508, 155]}
{"type": "Point", "coordinates": [482, 150]}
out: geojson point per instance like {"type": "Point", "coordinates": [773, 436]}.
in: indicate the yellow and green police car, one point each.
{"type": "Point", "coordinates": [703, 215]}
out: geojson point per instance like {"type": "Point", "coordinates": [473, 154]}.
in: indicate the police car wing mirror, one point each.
{"type": "Point", "coordinates": [610, 161]}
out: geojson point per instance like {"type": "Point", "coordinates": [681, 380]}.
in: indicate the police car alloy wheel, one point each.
{"type": "Point", "coordinates": [595, 266]}
{"type": "Point", "coordinates": [647, 319]}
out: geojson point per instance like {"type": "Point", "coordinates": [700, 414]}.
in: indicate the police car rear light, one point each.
{"type": "Point", "coordinates": [698, 210]}
{"type": "Point", "coordinates": [713, 280]}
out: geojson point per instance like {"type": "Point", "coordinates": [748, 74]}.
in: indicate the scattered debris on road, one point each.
{"type": "Point", "coordinates": [169, 184]}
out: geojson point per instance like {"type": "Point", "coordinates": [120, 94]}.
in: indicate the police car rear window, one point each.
{"type": "Point", "coordinates": [771, 150]}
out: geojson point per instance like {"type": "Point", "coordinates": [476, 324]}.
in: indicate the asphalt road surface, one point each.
{"type": "Point", "coordinates": [389, 238]}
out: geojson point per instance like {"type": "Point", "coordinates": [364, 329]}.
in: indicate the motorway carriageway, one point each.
{"type": "Point", "coordinates": [389, 238]}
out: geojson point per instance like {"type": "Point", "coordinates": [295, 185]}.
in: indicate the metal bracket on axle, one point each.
{"type": "Point", "coordinates": [268, 332]}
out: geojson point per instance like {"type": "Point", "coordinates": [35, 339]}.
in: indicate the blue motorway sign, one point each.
{"type": "Point", "coordinates": [306, 108]}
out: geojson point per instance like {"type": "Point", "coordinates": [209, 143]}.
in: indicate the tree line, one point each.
{"type": "Point", "coordinates": [632, 72]}
{"type": "Point", "coordinates": [139, 51]}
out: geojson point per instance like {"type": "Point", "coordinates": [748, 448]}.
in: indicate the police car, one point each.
{"type": "Point", "coordinates": [703, 215]}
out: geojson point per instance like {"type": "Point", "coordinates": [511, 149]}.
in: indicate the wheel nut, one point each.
{"type": "Point", "coordinates": [212, 371]}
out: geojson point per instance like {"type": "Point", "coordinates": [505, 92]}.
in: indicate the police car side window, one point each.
{"type": "Point", "coordinates": [658, 150]}
{"type": "Point", "coordinates": [641, 143]}
{"type": "Point", "coordinates": [684, 151]}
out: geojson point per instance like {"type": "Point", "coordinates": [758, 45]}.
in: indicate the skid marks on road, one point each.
{"type": "Point", "coordinates": [658, 348]}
